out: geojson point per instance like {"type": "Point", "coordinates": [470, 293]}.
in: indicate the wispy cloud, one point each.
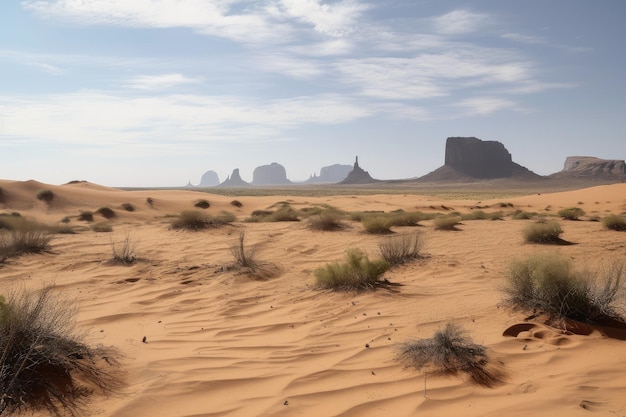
{"type": "Point", "coordinates": [160, 82]}
{"type": "Point", "coordinates": [540, 40]}
{"type": "Point", "coordinates": [482, 106]}
{"type": "Point", "coordinates": [459, 22]}
{"type": "Point", "coordinates": [334, 19]}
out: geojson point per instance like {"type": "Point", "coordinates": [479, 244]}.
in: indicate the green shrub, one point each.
{"type": "Point", "coordinates": [446, 223]}
{"type": "Point", "coordinates": [86, 216]}
{"type": "Point", "coordinates": [379, 225]}
{"type": "Point", "coordinates": [614, 222]}
{"type": "Point", "coordinates": [128, 207]}
{"type": "Point", "coordinates": [358, 272]}
{"type": "Point", "coordinates": [46, 196]}
{"type": "Point", "coordinates": [44, 365]}
{"type": "Point", "coordinates": [543, 232]}
{"type": "Point", "coordinates": [202, 203]}
{"type": "Point", "coordinates": [102, 227]}
{"type": "Point", "coordinates": [449, 352]}
{"type": "Point", "coordinates": [399, 249]}
{"type": "Point", "coordinates": [106, 212]}
{"type": "Point", "coordinates": [571, 213]}
{"type": "Point", "coordinates": [549, 284]}
{"type": "Point", "coordinates": [327, 220]}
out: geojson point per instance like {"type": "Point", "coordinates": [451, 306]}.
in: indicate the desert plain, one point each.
{"type": "Point", "coordinates": [199, 337]}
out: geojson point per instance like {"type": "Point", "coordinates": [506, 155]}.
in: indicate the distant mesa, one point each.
{"type": "Point", "coordinates": [469, 158]}
{"type": "Point", "coordinates": [330, 174]}
{"type": "Point", "coordinates": [209, 179]}
{"type": "Point", "coordinates": [592, 167]}
{"type": "Point", "coordinates": [273, 174]}
{"type": "Point", "coordinates": [358, 175]}
{"type": "Point", "coordinates": [234, 180]}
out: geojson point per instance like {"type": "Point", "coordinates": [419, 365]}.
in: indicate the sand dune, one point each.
{"type": "Point", "coordinates": [220, 343]}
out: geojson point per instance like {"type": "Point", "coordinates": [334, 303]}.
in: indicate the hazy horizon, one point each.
{"type": "Point", "coordinates": [157, 92]}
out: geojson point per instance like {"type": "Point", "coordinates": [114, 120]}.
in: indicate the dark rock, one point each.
{"type": "Point", "coordinates": [234, 180]}
{"type": "Point", "coordinates": [273, 174]}
{"type": "Point", "coordinates": [589, 166]}
{"type": "Point", "coordinates": [331, 174]}
{"type": "Point", "coordinates": [209, 179]}
{"type": "Point", "coordinates": [477, 158]}
{"type": "Point", "coordinates": [358, 175]}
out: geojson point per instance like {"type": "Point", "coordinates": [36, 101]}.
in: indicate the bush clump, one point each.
{"type": "Point", "coordinates": [327, 220]}
{"type": "Point", "coordinates": [106, 212]}
{"type": "Point", "coordinates": [614, 222]}
{"type": "Point", "coordinates": [446, 222]}
{"type": "Point", "coordinates": [202, 203]}
{"type": "Point", "coordinates": [449, 352]}
{"type": "Point", "coordinates": [43, 364]}
{"type": "Point", "coordinates": [571, 213]}
{"type": "Point", "coordinates": [357, 272]}
{"type": "Point", "coordinates": [236, 203]}
{"type": "Point", "coordinates": [399, 249]}
{"type": "Point", "coordinates": [549, 284]}
{"type": "Point", "coordinates": [46, 196]}
{"type": "Point", "coordinates": [284, 214]}
{"type": "Point", "coordinates": [102, 227]}
{"type": "Point", "coordinates": [546, 232]}
{"type": "Point", "coordinates": [86, 216]}
{"type": "Point", "coordinates": [195, 220]}
{"type": "Point", "coordinates": [379, 225]}
{"type": "Point", "coordinates": [128, 207]}
{"type": "Point", "coordinates": [125, 252]}
{"type": "Point", "coordinates": [523, 215]}
{"type": "Point", "coordinates": [23, 236]}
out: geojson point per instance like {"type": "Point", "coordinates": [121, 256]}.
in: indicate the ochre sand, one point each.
{"type": "Point", "coordinates": [221, 343]}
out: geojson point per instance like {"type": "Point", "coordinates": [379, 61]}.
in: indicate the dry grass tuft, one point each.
{"type": "Point", "coordinates": [19, 236]}
{"type": "Point", "coordinates": [546, 232]}
{"type": "Point", "coordinates": [399, 249]}
{"type": "Point", "coordinates": [358, 272]}
{"type": "Point", "coordinates": [125, 252]}
{"type": "Point", "coordinates": [195, 220]}
{"type": "Point", "coordinates": [615, 222]}
{"type": "Point", "coordinates": [244, 256]}
{"type": "Point", "coordinates": [379, 225]}
{"type": "Point", "coordinates": [447, 222]}
{"type": "Point", "coordinates": [327, 220]}
{"type": "Point", "coordinates": [571, 213]}
{"type": "Point", "coordinates": [102, 227]}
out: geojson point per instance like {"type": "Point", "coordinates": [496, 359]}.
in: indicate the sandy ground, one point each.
{"type": "Point", "coordinates": [222, 343]}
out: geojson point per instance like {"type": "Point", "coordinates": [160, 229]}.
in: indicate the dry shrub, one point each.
{"type": "Point", "coordinates": [44, 365]}
{"type": "Point", "coordinates": [86, 216]}
{"type": "Point", "coordinates": [150, 202]}
{"type": "Point", "coordinates": [399, 249]}
{"type": "Point", "coordinates": [202, 203]}
{"type": "Point", "coordinates": [46, 196]}
{"type": "Point", "coordinates": [523, 215]}
{"type": "Point", "coordinates": [327, 220]}
{"type": "Point", "coordinates": [236, 203]}
{"type": "Point", "coordinates": [357, 272]}
{"type": "Point", "coordinates": [571, 213]}
{"type": "Point", "coordinates": [475, 215]}
{"type": "Point", "coordinates": [125, 252]}
{"type": "Point", "coordinates": [226, 217]}
{"type": "Point", "coordinates": [547, 232]}
{"type": "Point", "coordinates": [410, 218]}
{"type": "Point", "coordinates": [195, 220]}
{"type": "Point", "coordinates": [23, 236]}
{"type": "Point", "coordinates": [244, 257]}
{"type": "Point", "coordinates": [446, 222]}
{"type": "Point", "coordinates": [106, 212]}
{"type": "Point", "coordinates": [449, 352]}
{"type": "Point", "coordinates": [128, 207]}
{"type": "Point", "coordinates": [549, 284]}
{"type": "Point", "coordinates": [379, 225]}
{"type": "Point", "coordinates": [614, 222]}
{"type": "Point", "coordinates": [102, 227]}
{"type": "Point", "coordinates": [284, 214]}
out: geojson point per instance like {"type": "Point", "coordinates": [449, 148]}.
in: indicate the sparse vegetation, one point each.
{"type": "Point", "coordinates": [379, 225]}
{"type": "Point", "coordinates": [549, 284]}
{"type": "Point", "coordinates": [399, 249]}
{"type": "Point", "coordinates": [615, 222]}
{"type": "Point", "coordinates": [244, 256]}
{"type": "Point", "coordinates": [46, 196]}
{"type": "Point", "coordinates": [86, 216]}
{"type": "Point", "coordinates": [283, 214]}
{"type": "Point", "coordinates": [449, 352]}
{"type": "Point", "coordinates": [106, 212]}
{"type": "Point", "coordinates": [236, 203]}
{"type": "Point", "coordinates": [102, 227]}
{"type": "Point", "coordinates": [19, 236]}
{"type": "Point", "coordinates": [125, 252]}
{"type": "Point", "coordinates": [357, 272]}
{"type": "Point", "coordinates": [128, 207]}
{"type": "Point", "coordinates": [202, 203]}
{"type": "Point", "coordinates": [547, 232]}
{"type": "Point", "coordinates": [446, 222]}
{"type": "Point", "coordinates": [195, 220]}
{"type": "Point", "coordinates": [150, 202]}
{"type": "Point", "coordinates": [44, 365]}
{"type": "Point", "coordinates": [327, 220]}
{"type": "Point", "coordinates": [571, 213]}
{"type": "Point", "coordinates": [522, 215]}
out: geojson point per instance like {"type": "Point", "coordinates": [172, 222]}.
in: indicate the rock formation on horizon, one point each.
{"type": "Point", "coordinates": [209, 179]}
{"type": "Point", "coordinates": [469, 158]}
{"type": "Point", "coordinates": [358, 175]}
{"type": "Point", "coordinates": [592, 167]}
{"type": "Point", "coordinates": [273, 174]}
{"type": "Point", "coordinates": [234, 180]}
{"type": "Point", "coordinates": [330, 174]}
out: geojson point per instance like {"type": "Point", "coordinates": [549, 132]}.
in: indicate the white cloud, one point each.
{"type": "Point", "coordinates": [459, 22]}
{"type": "Point", "coordinates": [160, 82]}
{"type": "Point", "coordinates": [482, 106]}
{"type": "Point", "coordinates": [331, 19]}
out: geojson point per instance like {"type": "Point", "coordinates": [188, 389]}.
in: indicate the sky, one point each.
{"type": "Point", "coordinates": [152, 93]}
